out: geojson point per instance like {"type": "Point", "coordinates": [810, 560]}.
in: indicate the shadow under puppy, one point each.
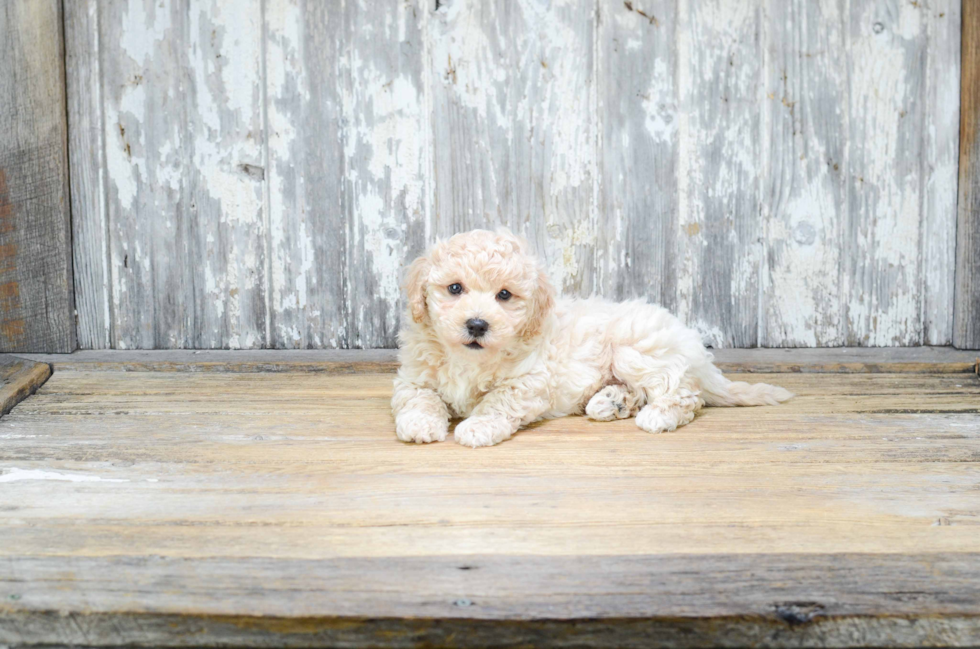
{"type": "Point", "coordinates": [487, 340]}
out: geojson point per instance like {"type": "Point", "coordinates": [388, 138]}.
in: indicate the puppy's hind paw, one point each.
{"type": "Point", "coordinates": [658, 419]}
{"type": "Point", "coordinates": [653, 420]}
{"type": "Point", "coordinates": [612, 402]}
{"type": "Point", "coordinates": [482, 431]}
{"type": "Point", "coordinates": [421, 427]}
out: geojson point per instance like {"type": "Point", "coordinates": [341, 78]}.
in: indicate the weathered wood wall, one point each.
{"type": "Point", "coordinates": [36, 309]}
{"type": "Point", "coordinates": [778, 172]}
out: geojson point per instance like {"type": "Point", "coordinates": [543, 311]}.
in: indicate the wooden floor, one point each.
{"type": "Point", "coordinates": [251, 509]}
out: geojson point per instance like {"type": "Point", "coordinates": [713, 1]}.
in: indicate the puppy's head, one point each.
{"type": "Point", "coordinates": [480, 290]}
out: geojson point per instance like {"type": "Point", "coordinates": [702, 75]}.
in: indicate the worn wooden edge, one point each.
{"type": "Point", "coordinates": [825, 360]}
{"type": "Point", "coordinates": [683, 601]}
{"type": "Point", "coordinates": [21, 378]}
{"type": "Point", "coordinates": [59, 629]}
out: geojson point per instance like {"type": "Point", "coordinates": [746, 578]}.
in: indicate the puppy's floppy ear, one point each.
{"type": "Point", "coordinates": [415, 284]}
{"type": "Point", "coordinates": [542, 302]}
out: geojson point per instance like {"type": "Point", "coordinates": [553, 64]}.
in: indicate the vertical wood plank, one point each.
{"type": "Point", "coordinates": [883, 271]}
{"type": "Point", "coordinates": [86, 149]}
{"type": "Point", "coordinates": [804, 170]}
{"type": "Point", "coordinates": [385, 158]}
{"type": "Point", "coordinates": [36, 301]}
{"type": "Point", "coordinates": [349, 204]}
{"type": "Point", "coordinates": [143, 57]}
{"type": "Point", "coordinates": [720, 93]}
{"type": "Point", "coordinates": [966, 329]}
{"type": "Point", "coordinates": [514, 131]}
{"type": "Point", "coordinates": [307, 231]}
{"type": "Point", "coordinates": [940, 169]}
{"type": "Point", "coordinates": [184, 151]}
{"type": "Point", "coordinates": [638, 112]}
{"type": "Point", "coordinates": [226, 241]}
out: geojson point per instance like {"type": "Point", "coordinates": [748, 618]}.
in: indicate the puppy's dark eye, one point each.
{"type": "Point", "coordinates": [503, 295]}
{"type": "Point", "coordinates": [455, 289]}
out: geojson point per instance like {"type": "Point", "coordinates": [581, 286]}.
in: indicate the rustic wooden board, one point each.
{"type": "Point", "coordinates": [307, 276]}
{"type": "Point", "coordinates": [348, 156]}
{"type": "Point", "coordinates": [490, 601]}
{"type": "Point", "coordinates": [929, 360]}
{"type": "Point", "coordinates": [36, 304]}
{"type": "Point", "coordinates": [386, 167]}
{"type": "Point", "coordinates": [966, 330]}
{"type": "Point", "coordinates": [639, 117]}
{"type": "Point", "coordinates": [803, 199]}
{"type": "Point", "coordinates": [894, 49]}
{"type": "Point", "coordinates": [305, 466]}
{"type": "Point", "coordinates": [19, 378]}
{"type": "Point", "coordinates": [183, 137]}
{"type": "Point", "coordinates": [154, 508]}
{"type": "Point", "coordinates": [940, 164]}
{"type": "Point", "coordinates": [86, 149]}
{"type": "Point", "coordinates": [719, 93]}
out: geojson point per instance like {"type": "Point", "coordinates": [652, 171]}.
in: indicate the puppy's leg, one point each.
{"type": "Point", "coordinates": [420, 415]}
{"type": "Point", "coordinates": [613, 402]}
{"type": "Point", "coordinates": [672, 397]}
{"type": "Point", "coordinates": [503, 411]}
{"type": "Point", "coordinates": [667, 412]}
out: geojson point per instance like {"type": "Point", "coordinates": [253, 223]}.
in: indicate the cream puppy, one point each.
{"type": "Point", "coordinates": [485, 339]}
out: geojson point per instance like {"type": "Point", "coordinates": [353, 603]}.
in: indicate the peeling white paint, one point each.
{"type": "Point", "coordinates": [659, 104]}
{"type": "Point", "coordinates": [479, 114]}
{"type": "Point", "coordinates": [888, 238]}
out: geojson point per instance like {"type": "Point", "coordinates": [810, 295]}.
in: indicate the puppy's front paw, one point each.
{"type": "Point", "coordinates": [420, 427]}
{"type": "Point", "coordinates": [483, 431]}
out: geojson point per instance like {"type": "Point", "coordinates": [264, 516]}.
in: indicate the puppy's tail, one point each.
{"type": "Point", "coordinates": [716, 390]}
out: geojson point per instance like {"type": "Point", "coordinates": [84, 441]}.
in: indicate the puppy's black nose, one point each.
{"type": "Point", "coordinates": [477, 327]}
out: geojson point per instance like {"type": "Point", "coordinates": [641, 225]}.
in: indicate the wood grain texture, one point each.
{"type": "Point", "coordinates": [386, 162]}
{"type": "Point", "coordinates": [778, 174]}
{"type": "Point", "coordinates": [884, 233]}
{"type": "Point", "coordinates": [36, 301]}
{"type": "Point", "coordinates": [719, 90]}
{"type": "Point", "coordinates": [804, 164]}
{"type": "Point", "coordinates": [87, 171]}
{"type": "Point", "coordinates": [966, 330]}
{"type": "Point", "coordinates": [19, 378]}
{"type": "Point", "coordinates": [300, 465]}
{"type": "Point", "coordinates": [639, 114]}
{"type": "Point", "coordinates": [183, 134]}
{"type": "Point", "coordinates": [663, 601]}
{"type": "Point", "coordinates": [163, 509]}
{"type": "Point", "coordinates": [514, 129]}
{"type": "Point", "coordinates": [920, 360]}
{"type": "Point", "coordinates": [305, 176]}
{"type": "Point", "coordinates": [940, 169]}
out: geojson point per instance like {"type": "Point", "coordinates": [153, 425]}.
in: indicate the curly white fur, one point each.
{"type": "Point", "coordinates": [541, 358]}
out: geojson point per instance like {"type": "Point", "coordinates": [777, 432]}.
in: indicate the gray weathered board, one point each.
{"type": "Point", "coordinates": [778, 172]}
{"type": "Point", "coordinates": [36, 311]}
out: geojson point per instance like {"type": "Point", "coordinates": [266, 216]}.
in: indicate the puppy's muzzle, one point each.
{"type": "Point", "coordinates": [477, 328]}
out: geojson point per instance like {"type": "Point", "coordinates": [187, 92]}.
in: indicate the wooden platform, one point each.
{"type": "Point", "coordinates": [257, 508]}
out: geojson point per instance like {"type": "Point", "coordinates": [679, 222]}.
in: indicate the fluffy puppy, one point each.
{"type": "Point", "coordinates": [486, 339]}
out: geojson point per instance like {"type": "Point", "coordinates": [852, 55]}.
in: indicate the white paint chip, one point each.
{"type": "Point", "coordinates": [18, 475]}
